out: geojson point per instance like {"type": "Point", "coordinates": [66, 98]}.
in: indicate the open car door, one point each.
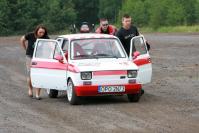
{"type": "Point", "coordinates": [140, 56]}
{"type": "Point", "coordinates": [49, 65]}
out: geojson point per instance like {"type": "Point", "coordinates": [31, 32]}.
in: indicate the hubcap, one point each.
{"type": "Point", "coordinates": [69, 91]}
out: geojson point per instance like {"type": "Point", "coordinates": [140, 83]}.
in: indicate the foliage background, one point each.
{"type": "Point", "coordinates": [21, 16]}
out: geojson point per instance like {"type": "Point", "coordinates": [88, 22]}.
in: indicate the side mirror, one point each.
{"type": "Point", "coordinates": [136, 54]}
{"type": "Point", "coordinates": [59, 58]}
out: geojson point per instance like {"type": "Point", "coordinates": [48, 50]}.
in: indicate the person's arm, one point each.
{"type": "Point", "coordinates": [137, 32]}
{"type": "Point", "coordinates": [119, 35]}
{"type": "Point", "coordinates": [112, 29]}
{"type": "Point", "coordinates": [23, 42]}
{"type": "Point", "coordinates": [98, 30]}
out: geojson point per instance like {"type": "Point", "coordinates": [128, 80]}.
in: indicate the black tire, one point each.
{"type": "Point", "coordinates": [52, 93]}
{"type": "Point", "coordinates": [142, 92]}
{"type": "Point", "coordinates": [134, 97]}
{"type": "Point", "coordinates": [73, 99]}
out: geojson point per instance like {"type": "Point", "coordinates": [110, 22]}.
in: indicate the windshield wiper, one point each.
{"type": "Point", "coordinates": [83, 57]}
{"type": "Point", "coordinates": [105, 56]}
{"type": "Point", "coordinates": [97, 56]}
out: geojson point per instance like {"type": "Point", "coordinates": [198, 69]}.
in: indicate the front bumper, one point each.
{"type": "Point", "coordinates": [92, 90]}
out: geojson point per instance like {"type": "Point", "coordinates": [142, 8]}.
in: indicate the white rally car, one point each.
{"type": "Point", "coordinates": [90, 65]}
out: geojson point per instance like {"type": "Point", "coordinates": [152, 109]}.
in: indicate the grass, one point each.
{"type": "Point", "coordinates": [164, 29]}
{"type": "Point", "coordinates": [172, 29]}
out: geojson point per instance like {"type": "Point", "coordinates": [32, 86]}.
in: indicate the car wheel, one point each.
{"type": "Point", "coordinates": [134, 97]}
{"type": "Point", "coordinates": [52, 93]}
{"type": "Point", "coordinates": [73, 99]}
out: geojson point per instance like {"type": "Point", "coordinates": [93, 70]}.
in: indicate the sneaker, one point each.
{"type": "Point", "coordinates": [38, 98]}
{"type": "Point", "coordinates": [31, 96]}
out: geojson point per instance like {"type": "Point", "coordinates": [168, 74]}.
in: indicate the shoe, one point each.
{"type": "Point", "coordinates": [38, 98]}
{"type": "Point", "coordinates": [31, 96]}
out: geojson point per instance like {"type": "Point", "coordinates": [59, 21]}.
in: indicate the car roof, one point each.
{"type": "Point", "coordinates": [86, 35]}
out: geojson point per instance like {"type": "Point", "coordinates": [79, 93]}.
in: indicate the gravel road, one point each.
{"type": "Point", "coordinates": [170, 103]}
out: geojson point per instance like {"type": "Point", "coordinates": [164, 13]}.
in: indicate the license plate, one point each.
{"type": "Point", "coordinates": [111, 89]}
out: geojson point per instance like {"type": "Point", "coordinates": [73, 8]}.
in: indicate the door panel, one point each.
{"type": "Point", "coordinates": [46, 71]}
{"type": "Point", "coordinates": [143, 61]}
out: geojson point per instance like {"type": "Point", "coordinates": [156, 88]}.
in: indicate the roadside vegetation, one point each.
{"type": "Point", "coordinates": [20, 16]}
{"type": "Point", "coordinates": [171, 29]}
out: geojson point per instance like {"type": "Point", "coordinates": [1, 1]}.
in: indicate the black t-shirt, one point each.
{"type": "Point", "coordinates": [31, 43]}
{"type": "Point", "coordinates": [125, 37]}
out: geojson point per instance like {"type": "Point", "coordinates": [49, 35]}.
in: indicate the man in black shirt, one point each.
{"type": "Point", "coordinates": [127, 32]}
{"type": "Point", "coordinates": [40, 32]}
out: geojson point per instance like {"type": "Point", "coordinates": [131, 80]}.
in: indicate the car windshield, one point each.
{"type": "Point", "coordinates": [96, 48]}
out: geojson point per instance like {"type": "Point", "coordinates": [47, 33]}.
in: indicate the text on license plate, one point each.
{"type": "Point", "coordinates": [111, 89]}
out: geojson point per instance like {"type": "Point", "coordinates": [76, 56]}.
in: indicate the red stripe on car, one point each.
{"type": "Point", "coordinates": [48, 65]}
{"type": "Point", "coordinates": [54, 65]}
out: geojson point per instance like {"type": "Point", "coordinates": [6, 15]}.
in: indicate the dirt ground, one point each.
{"type": "Point", "coordinates": [170, 103]}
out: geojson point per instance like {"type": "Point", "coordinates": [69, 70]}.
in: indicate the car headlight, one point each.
{"type": "Point", "coordinates": [132, 73]}
{"type": "Point", "coordinates": [86, 75]}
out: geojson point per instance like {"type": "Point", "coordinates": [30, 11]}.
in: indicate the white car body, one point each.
{"type": "Point", "coordinates": [61, 65]}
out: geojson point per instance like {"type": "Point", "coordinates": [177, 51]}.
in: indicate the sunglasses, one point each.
{"type": "Point", "coordinates": [104, 24]}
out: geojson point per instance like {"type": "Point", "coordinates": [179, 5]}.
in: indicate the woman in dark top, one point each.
{"type": "Point", "coordinates": [39, 32]}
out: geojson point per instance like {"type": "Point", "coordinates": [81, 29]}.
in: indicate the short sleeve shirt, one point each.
{"type": "Point", "coordinates": [30, 37]}
{"type": "Point", "coordinates": [125, 37]}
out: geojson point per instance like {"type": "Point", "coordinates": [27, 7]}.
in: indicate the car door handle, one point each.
{"type": "Point", "coordinates": [34, 63]}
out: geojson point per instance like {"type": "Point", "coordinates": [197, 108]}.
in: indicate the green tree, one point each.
{"type": "Point", "coordinates": [176, 13]}
{"type": "Point", "coordinates": [4, 11]}
{"type": "Point", "coordinates": [137, 9]}
{"type": "Point", "coordinates": [197, 11]}
{"type": "Point", "coordinates": [158, 13]}
{"type": "Point", "coordinates": [190, 10]}
{"type": "Point", "coordinates": [19, 16]}
{"type": "Point", "coordinates": [87, 10]}
{"type": "Point", "coordinates": [109, 9]}
{"type": "Point", "coordinates": [59, 15]}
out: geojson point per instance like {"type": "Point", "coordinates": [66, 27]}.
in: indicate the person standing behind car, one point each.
{"type": "Point", "coordinates": [127, 32]}
{"type": "Point", "coordinates": [105, 28]}
{"type": "Point", "coordinates": [84, 29]}
{"type": "Point", "coordinates": [39, 32]}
